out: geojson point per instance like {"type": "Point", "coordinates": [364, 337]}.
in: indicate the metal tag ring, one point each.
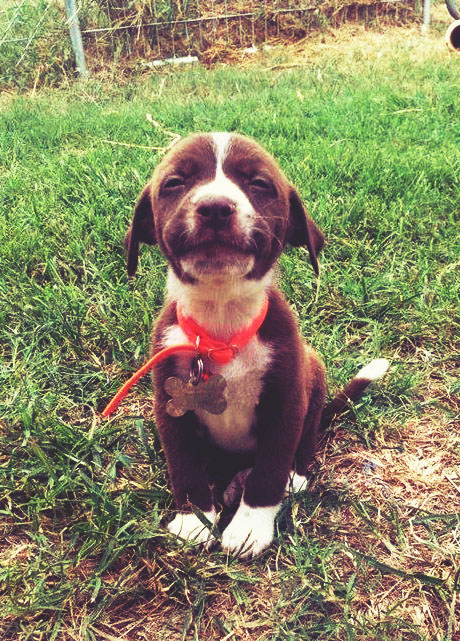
{"type": "Point", "coordinates": [196, 370]}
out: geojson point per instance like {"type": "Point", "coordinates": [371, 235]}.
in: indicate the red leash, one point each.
{"type": "Point", "coordinates": [200, 343]}
{"type": "Point", "coordinates": [156, 358]}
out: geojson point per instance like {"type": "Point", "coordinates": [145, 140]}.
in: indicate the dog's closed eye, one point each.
{"type": "Point", "coordinates": [261, 183]}
{"type": "Point", "coordinates": [173, 182]}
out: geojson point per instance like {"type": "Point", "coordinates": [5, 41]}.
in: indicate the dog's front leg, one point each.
{"type": "Point", "coordinates": [186, 466]}
{"type": "Point", "coordinates": [280, 418]}
{"type": "Point", "coordinates": [188, 478]}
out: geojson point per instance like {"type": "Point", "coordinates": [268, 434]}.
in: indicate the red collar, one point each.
{"type": "Point", "coordinates": [219, 351]}
{"type": "Point", "coordinates": [201, 343]}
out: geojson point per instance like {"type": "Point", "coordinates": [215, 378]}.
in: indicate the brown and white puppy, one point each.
{"type": "Point", "coordinates": [221, 212]}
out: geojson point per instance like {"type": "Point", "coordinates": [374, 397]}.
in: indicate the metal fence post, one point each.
{"type": "Point", "coordinates": [426, 15]}
{"type": "Point", "coordinates": [75, 37]}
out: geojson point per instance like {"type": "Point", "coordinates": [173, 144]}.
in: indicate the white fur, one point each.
{"type": "Point", "coordinates": [232, 430]}
{"type": "Point", "coordinates": [221, 141]}
{"type": "Point", "coordinates": [222, 305]}
{"type": "Point", "coordinates": [374, 370]}
{"type": "Point", "coordinates": [188, 527]}
{"type": "Point", "coordinates": [221, 185]}
{"type": "Point", "coordinates": [250, 531]}
{"type": "Point", "coordinates": [174, 335]}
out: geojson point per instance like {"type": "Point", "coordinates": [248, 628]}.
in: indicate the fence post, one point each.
{"type": "Point", "coordinates": [75, 37]}
{"type": "Point", "coordinates": [426, 15]}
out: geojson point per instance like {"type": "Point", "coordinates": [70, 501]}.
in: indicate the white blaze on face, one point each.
{"type": "Point", "coordinates": [221, 185]}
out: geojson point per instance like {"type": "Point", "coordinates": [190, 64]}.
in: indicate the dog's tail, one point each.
{"type": "Point", "coordinates": [353, 390]}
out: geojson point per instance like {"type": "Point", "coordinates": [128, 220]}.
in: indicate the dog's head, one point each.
{"type": "Point", "coordinates": [218, 204]}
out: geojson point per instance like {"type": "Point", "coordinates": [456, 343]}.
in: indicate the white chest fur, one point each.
{"type": "Point", "coordinates": [233, 429]}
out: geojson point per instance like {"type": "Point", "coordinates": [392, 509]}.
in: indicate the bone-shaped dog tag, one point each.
{"type": "Point", "coordinates": [205, 395]}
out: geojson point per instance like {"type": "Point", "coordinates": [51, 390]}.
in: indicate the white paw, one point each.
{"type": "Point", "coordinates": [296, 483]}
{"type": "Point", "coordinates": [188, 526]}
{"type": "Point", "coordinates": [250, 531]}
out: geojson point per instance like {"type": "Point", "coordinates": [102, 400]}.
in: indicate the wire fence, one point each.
{"type": "Point", "coordinates": [34, 34]}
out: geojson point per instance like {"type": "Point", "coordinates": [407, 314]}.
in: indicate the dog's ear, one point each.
{"type": "Point", "coordinates": [303, 231]}
{"type": "Point", "coordinates": [141, 230]}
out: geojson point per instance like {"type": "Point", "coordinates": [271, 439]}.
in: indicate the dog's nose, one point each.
{"type": "Point", "coordinates": [216, 212]}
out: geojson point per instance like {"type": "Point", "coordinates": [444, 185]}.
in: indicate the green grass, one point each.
{"type": "Point", "coordinates": [373, 146]}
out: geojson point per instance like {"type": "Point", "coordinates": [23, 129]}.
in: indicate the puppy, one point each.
{"type": "Point", "coordinates": [248, 394]}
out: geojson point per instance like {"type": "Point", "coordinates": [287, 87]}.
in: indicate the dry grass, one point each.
{"type": "Point", "coordinates": [401, 505]}
{"type": "Point", "coordinates": [352, 42]}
